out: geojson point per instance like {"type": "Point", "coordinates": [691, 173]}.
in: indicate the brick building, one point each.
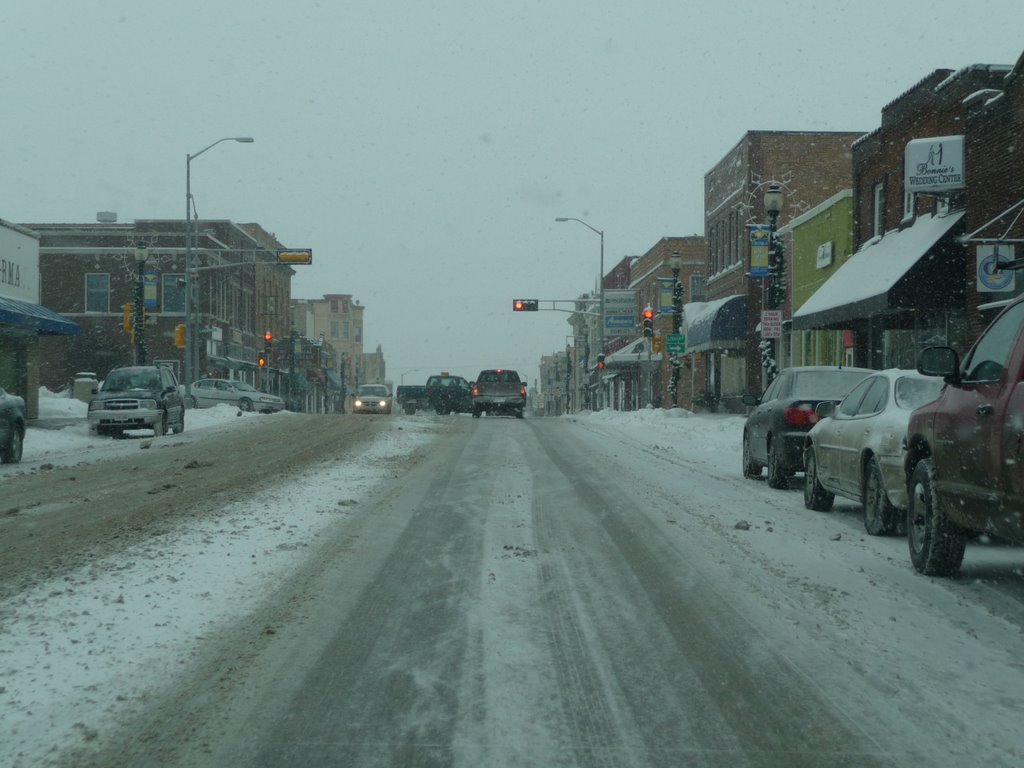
{"type": "Point", "coordinates": [810, 167]}
{"type": "Point", "coordinates": [89, 273]}
{"type": "Point", "coordinates": [903, 287]}
{"type": "Point", "coordinates": [994, 219]}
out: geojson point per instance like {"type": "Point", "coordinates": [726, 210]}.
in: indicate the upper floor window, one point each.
{"type": "Point", "coordinates": [97, 292]}
{"type": "Point", "coordinates": [334, 306]}
{"type": "Point", "coordinates": [878, 210]}
{"type": "Point", "coordinates": [698, 288]}
{"type": "Point", "coordinates": [173, 293]}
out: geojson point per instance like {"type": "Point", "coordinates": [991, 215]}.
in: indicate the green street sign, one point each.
{"type": "Point", "coordinates": [676, 344]}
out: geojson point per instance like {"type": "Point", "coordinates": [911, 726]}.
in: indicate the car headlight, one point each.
{"type": "Point", "coordinates": [95, 405]}
{"type": "Point", "coordinates": [358, 403]}
{"type": "Point", "coordinates": [149, 404]}
{"type": "Point", "coordinates": [383, 403]}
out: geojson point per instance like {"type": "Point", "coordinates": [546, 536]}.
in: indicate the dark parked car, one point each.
{"type": "Point", "coordinates": [774, 433]}
{"type": "Point", "coordinates": [965, 451]}
{"type": "Point", "coordinates": [412, 397]}
{"type": "Point", "coordinates": [12, 427]}
{"type": "Point", "coordinates": [138, 397]}
{"type": "Point", "coordinates": [856, 450]}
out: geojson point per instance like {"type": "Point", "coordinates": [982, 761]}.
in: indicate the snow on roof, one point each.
{"type": "Point", "coordinates": [878, 264]}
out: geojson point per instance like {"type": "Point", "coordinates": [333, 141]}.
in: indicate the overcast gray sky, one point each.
{"type": "Point", "coordinates": [424, 149]}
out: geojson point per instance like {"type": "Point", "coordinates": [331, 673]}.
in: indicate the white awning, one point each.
{"type": "Point", "coordinates": [631, 354]}
{"type": "Point", "coordinates": [867, 283]}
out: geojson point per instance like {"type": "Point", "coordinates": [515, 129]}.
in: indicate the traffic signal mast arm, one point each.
{"type": "Point", "coordinates": [523, 305]}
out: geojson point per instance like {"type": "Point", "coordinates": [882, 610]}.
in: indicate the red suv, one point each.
{"type": "Point", "coordinates": [965, 451]}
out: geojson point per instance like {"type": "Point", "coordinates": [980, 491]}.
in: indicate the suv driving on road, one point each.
{"type": "Point", "coordinates": [138, 397]}
{"type": "Point", "coordinates": [965, 451]}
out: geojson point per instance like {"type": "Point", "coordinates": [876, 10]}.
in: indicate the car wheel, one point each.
{"type": "Point", "coordinates": [880, 516]}
{"type": "Point", "coordinates": [815, 495]}
{"type": "Point", "coordinates": [180, 427]}
{"type": "Point", "coordinates": [245, 404]}
{"type": "Point", "coordinates": [193, 403]}
{"type": "Point", "coordinates": [160, 425]}
{"type": "Point", "coordinates": [476, 413]}
{"type": "Point", "coordinates": [11, 453]}
{"type": "Point", "coordinates": [751, 468]}
{"type": "Point", "coordinates": [777, 474]}
{"type": "Point", "coordinates": [936, 543]}
{"type": "Point", "coordinates": [519, 413]}
{"type": "Point", "coordinates": [409, 410]}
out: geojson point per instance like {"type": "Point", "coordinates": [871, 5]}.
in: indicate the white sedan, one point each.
{"type": "Point", "coordinates": [210, 392]}
{"type": "Point", "coordinates": [857, 452]}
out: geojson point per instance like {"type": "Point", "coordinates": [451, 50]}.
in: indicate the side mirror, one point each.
{"type": "Point", "coordinates": [940, 361]}
{"type": "Point", "coordinates": [825, 409]}
{"type": "Point", "coordinates": [750, 400]}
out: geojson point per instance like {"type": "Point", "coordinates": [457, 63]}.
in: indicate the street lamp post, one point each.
{"type": "Point", "coordinates": [776, 266]}
{"type": "Point", "coordinates": [189, 247]}
{"type": "Point", "coordinates": [600, 283]}
{"type": "Point", "coordinates": [140, 313]}
{"type": "Point", "coordinates": [675, 261]}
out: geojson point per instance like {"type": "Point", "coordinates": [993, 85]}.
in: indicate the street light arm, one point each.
{"type": "Point", "coordinates": [240, 139]}
{"type": "Point", "coordinates": [581, 221]}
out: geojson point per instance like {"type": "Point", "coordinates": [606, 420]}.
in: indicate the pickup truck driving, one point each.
{"type": "Point", "coordinates": [965, 451]}
{"type": "Point", "coordinates": [449, 394]}
{"type": "Point", "coordinates": [499, 390]}
{"type": "Point", "coordinates": [412, 397]}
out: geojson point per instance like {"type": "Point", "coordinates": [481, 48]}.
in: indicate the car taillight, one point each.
{"type": "Point", "coordinates": [802, 415]}
{"type": "Point", "coordinates": [476, 391]}
{"type": "Point", "coordinates": [522, 391]}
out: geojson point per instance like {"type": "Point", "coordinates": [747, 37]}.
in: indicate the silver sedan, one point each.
{"type": "Point", "coordinates": [210, 392]}
{"type": "Point", "coordinates": [857, 452]}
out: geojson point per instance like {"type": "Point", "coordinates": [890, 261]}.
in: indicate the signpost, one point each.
{"type": "Point", "coordinates": [771, 324]}
{"type": "Point", "coordinates": [619, 313]}
{"type": "Point", "coordinates": [676, 343]}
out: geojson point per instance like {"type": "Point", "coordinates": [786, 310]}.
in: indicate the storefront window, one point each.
{"type": "Point", "coordinates": [173, 299]}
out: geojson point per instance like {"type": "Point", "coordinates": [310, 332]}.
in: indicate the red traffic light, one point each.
{"type": "Point", "coordinates": [648, 313]}
{"type": "Point", "coordinates": [268, 337]}
{"type": "Point", "coordinates": [525, 305]}
{"type": "Point", "coordinates": [600, 362]}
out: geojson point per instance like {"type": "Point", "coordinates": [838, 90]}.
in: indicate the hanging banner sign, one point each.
{"type": "Point", "coordinates": [991, 279]}
{"type": "Point", "coordinates": [665, 295]}
{"type": "Point", "coordinates": [760, 240]}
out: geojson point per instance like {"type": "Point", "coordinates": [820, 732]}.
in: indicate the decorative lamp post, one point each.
{"type": "Point", "coordinates": [139, 323]}
{"type": "Point", "coordinates": [600, 283]}
{"type": "Point", "coordinates": [776, 263]}
{"type": "Point", "coordinates": [675, 261]}
{"type": "Point", "coordinates": [190, 333]}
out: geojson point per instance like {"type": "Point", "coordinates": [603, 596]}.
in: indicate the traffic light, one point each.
{"type": "Point", "coordinates": [648, 322]}
{"type": "Point", "coordinates": [179, 335]}
{"type": "Point", "coordinates": [268, 342]}
{"type": "Point", "coordinates": [525, 305]}
{"type": "Point", "coordinates": [262, 361]}
{"type": "Point", "coordinates": [600, 361]}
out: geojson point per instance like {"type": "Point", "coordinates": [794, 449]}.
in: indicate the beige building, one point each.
{"type": "Point", "coordinates": [338, 320]}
